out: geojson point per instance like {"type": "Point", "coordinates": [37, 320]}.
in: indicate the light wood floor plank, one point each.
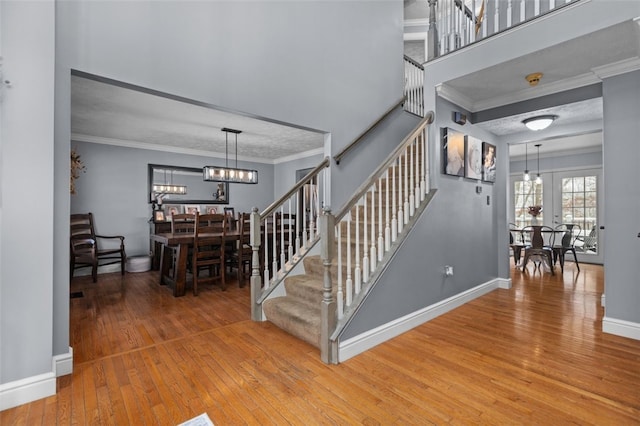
{"type": "Point", "coordinates": [533, 354]}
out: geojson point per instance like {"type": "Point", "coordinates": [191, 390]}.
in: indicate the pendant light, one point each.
{"type": "Point", "coordinates": [526, 176]}
{"type": "Point", "coordinates": [226, 173]}
{"type": "Point", "coordinates": [538, 178]}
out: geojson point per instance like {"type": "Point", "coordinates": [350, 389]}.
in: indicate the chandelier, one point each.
{"type": "Point", "coordinates": [226, 173]}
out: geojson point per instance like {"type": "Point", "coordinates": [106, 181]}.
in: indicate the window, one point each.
{"type": "Point", "coordinates": [526, 193]}
{"type": "Point", "coordinates": [580, 205]}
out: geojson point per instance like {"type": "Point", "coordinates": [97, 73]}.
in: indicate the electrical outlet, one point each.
{"type": "Point", "coordinates": [448, 270]}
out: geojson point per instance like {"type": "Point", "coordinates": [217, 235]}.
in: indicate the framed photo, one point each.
{"type": "Point", "coordinates": [221, 193]}
{"type": "Point", "coordinates": [453, 152]}
{"type": "Point", "coordinates": [158, 216]}
{"type": "Point", "coordinates": [473, 156]}
{"type": "Point", "coordinates": [210, 209]}
{"type": "Point", "coordinates": [192, 208]}
{"type": "Point", "coordinates": [488, 162]}
{"type": "Point", "coordinates": [173, 209]}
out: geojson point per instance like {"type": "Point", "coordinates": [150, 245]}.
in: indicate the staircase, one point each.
{"type": "Point", "coordinates": [357, 243]}
{"type": "Point", "coordinates": [299, 311]}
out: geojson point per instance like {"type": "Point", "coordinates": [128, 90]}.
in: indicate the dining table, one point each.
{"type": "Point", "coordinates": [182, 241]}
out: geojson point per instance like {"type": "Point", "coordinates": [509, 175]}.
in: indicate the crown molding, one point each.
{"type": "Point", "coordinates": [452, 95]}
{"type": "Point", "coordinates": [163, 148]}
{"type": "Point", "coordinates": [537, 92]}
{"type": "Point", "coordinates": [617, 68]}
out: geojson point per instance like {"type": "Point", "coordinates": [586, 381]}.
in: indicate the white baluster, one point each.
{"type": "Point", "coordinates": [472, 30]}
{"type": "Point", "coordinates": [339, 295]}
{"type": "Point", "coordinates": [387, 227]}
{"type": "Point", "coordinates": [349, 282]}
{"type": "Point", "coordinates": [423, 156]}
{"type": "Point", "coordinates": [509, 14]}
{"type": "Point", "coordinates": [394, 218]}
{"type": "Point", "coordinates": [290, 251]}
{"type": "Point", "coordinates": [365, 246]}
{"type": "Point", "coordinates": [400, 203]}
{"type": "Point", "coordinates": [266, 253]}
{"type": "Point", "coordinates": [274, 264]}
{"type": "Point", "coordinates": [305, 239]}
{"type": "Point", "coordinates": [357, 272]}
{"type": "Point", "coordinates": [380, 237]}
{"type": "Point", "coordinates": [405, 178]}
{"type": "Point", "coordinates": [552, 4]}
{"type": "Point", "coordinates": [412, 195]}
{"type": "Point", "coordinates": [298, 224]}
{"type": "Point", "coordinates": [536, 7]}
{"type": "Point", "coordinates": [496, 22]}
{"type": "Point", "coordinates": [523, 11]}
{"type": "Point", "coordinates": [373, 255]}
{"type": "Point", "coordinates": [283, 257]}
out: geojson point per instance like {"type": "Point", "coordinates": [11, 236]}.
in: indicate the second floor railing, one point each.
{"type": "Point", "coordinates": [454, 24]}
{"type": "Point", "coordinates": [413, 86]}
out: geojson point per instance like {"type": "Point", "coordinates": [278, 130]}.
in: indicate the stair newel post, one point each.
{"type": "Point", "coordinates": [328, 351]}
{"type": "Point", "coordinates": [256, 282]}
{"type": "Point", "coordinates": [432, 34]}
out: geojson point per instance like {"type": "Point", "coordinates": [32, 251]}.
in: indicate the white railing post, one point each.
{"type": "Point", "coordinates": [339, 295]}
{"type": "Point", "coordinates": [394, 218]}
{"type": "Point", "coordinates": [380, 237]}
{"type": "Point", "coordinates": [256, 283]}
{"type": "Point", "coordinates": [365, 246]}
{"type": "Point", "coordinates": [349, 281]}
{"type": "Point", "coordinates": [387, 227]}
{"type": "Point", "coordinates": [328, 351]}
{"type": "Point", "coordinates": [373, 256]}
{"type": "Point", "coordinates": [400, 199]}
{"type": "Point", "coordinates": [357, 271]}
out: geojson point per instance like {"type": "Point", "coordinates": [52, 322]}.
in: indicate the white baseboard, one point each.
{"type": "Point", "coordinates": [26, 390]}
{"type": "Point", "coordinates": [63, 363]}
{"type": "Point", "coordinates": [621, 328]}
{"type": "Point", "coordinates": [365, 341]}
{"type": "Point", "coordinates": [36, 387]}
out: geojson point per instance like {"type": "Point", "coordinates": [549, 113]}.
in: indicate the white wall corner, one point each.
{"type": "Point", "coordinates": [63, 363]}
{"type": "Point", "coordinates": [26, 390]}
{"type": "Point", "coordinates": [365, 341]}
{"type": "Point", "coordinates": [621, 328]}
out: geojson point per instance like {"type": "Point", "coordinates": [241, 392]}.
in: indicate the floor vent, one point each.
{"type": "Point", "coordinates": [76, 294]}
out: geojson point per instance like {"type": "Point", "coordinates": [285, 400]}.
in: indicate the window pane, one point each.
{"type": "Point", "coordinates": [590, 183]}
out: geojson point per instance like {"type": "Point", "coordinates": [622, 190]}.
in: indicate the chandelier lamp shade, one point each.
{"type": "Point", "coordinates": [169, 188]}
{"type": "Point", "coordinates": [540, 122]}
{"type": "Point", "coordinates": [226, 173]}
{"type": "Point", "coordinates": [526, 176]}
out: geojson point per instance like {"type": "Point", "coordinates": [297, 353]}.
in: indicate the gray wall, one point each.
{"type": "Point", "coordinates": [457, 229]}
{"type": "Point", "coordinates": [622, 196]}
{"type": "Point", "coordinates": [114, 188]}
{"type": "Point", "coordinates": [26, 190]}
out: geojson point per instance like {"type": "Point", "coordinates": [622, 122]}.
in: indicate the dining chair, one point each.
{"type": "Point", "coordinates": [209, 250]}
{"type": "Point", "coordinates": [588, 243]}
{"type": "Point", "coordinates": [86, 250]}
{"type": "Point", "coordinates": [230, 212]}
{"type": "Point", "coordinates": [241, 257]}
{"type": "Point", "coordinates": [541, 246]}
{"type": "Point", "coordinates": [516, 242]}
{"type": "Point", "coordinates": [181, 223]}
{"type": "Point", "coordinates": [570, 232]}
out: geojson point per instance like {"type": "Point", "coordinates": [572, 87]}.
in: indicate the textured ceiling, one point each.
{"type": "Point", "coordinates": [109, 113]}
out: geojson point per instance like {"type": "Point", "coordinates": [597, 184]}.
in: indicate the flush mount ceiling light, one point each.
{"type": "Point", "coordinates": [226, 173]}
{"type": "Point", "coordinates": [540, 122]}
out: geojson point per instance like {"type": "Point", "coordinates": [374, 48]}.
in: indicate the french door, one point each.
{"type": "Point", "coordinates": [577, 199]}
{"type": "Point", "coordinates": [566, 197]}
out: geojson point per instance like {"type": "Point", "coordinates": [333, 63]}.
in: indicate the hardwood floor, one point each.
{"type": "Point", "coordinates": [534, 354]}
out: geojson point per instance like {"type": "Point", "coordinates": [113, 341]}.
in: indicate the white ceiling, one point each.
{"type": "Point", "coordinates": [116, 114]}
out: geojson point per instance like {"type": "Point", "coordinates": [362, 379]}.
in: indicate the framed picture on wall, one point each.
{"type": "Point", "coordinates": [473, 156]}
{"type": "Point", "coordinates": [192, 208]}
{"type": "Point", "coordinates": [453, 152]}
{"type": "Point", "coordinates": [488, 162]}
{"type": "Point", "coordinates": [158, 216]}
{"type": "Point", "coordinates": [172, 209]}
{"type": "Point", "coordinates": [210, 209]}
